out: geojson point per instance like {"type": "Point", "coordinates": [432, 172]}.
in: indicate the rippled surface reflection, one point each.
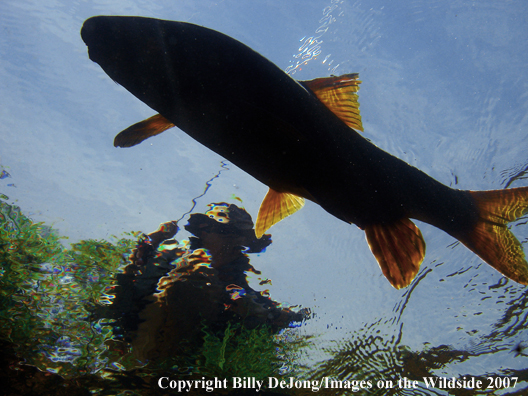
{"type": "Point", "coordinates": [444, 88]}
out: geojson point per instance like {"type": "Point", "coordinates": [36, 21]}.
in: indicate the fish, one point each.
{"type": "Point", "coordinates": [300, 138]}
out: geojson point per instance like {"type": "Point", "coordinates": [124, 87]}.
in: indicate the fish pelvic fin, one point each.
{"type": "Point", "coordinates": [491, 238]}
{"type": "Point", "coordinates": [399, 249]}
{"type": "Point", "coordinates": [339, 94]}
{"type": "Point", "coordinates": [275, 207]}
{"type": "Point", "coordinates": [140, 131]}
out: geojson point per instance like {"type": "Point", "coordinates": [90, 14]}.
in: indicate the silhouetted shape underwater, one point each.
{"type": "Point", "coordinates": [171, 290]}
{"type": "Point", "coordinates": [299, 138]}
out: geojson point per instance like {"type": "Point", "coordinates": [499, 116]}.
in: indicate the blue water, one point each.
{"type": "Point", "coordinates": [444, 88]}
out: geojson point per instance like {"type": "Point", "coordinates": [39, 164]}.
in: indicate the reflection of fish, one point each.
{"type": "Point", "coordinates": [299, 138]}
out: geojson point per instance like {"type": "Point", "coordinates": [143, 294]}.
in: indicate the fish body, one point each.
{"type": "Point", "coordinates": [297, 137]}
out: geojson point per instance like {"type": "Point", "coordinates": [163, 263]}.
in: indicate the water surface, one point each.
{"type": "Point", "coordinates": [444, 88]}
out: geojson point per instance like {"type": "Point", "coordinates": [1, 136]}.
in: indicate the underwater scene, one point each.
{"type": "Point", "coordinates": [303, 213]}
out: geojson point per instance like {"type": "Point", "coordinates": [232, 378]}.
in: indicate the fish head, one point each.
{"type": "Point", "coordinates": [135, 53]}
{"type": "Point", "coordinates": [168, 65]}
{"type": "Point", "coordinates": [214, 88]}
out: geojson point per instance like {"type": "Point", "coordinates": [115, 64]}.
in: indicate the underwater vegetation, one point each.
{"type": "Point", "coordinates": [46, 291]}
{"type": "Point", "coordinates": [56, 342]}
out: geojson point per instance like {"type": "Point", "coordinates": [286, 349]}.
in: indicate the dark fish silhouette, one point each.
{"type": "Point", "coordinates": [300, 139]}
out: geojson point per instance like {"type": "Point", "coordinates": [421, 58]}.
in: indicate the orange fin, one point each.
{"type": "Point", "coordinates": [136, 133]}
{"type": "Point", "coordinates": [491, 239]}
{"type": "Point", "coordinates": [275, 207]}
{"type": "Point", "coordinates": [339, 94]}
{"type": "Point", "coordinates": [399, 248]}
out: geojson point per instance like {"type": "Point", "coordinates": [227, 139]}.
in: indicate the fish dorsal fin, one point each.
{"type": "Point", "coordinates": [136, 133]}
{"type": "Point", "coordinates": [339, 94]}
{"type": "Point", "coordinates": [399, 248]}
{"type": "Point", "coordinates": [275, 207]}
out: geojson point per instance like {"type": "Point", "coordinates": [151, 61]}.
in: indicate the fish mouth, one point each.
{"type": "Point", "coordinates": [89, 29]}
{"type": "Point", "coordinates": [96, 30]}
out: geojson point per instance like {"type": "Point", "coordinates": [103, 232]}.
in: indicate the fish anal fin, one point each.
{"type": "Point", "coordinates": [275, 207]}
{"type": "Point", "coordinates": [491, 238]}
{"type": "Point", "coordinates": [399, 249]}
{"type": "Point", "coordinates": [140, 131]}
{"type": "Point", "coordinates": [339, 94]}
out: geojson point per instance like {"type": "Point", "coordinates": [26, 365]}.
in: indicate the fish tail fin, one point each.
{"type": "Point", "coordinates": [491, 238]}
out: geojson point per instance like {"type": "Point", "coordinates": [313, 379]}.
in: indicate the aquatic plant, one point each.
{"type": "Point", "coordinates": [46, 291]}
{"type": "Point", "coordinates": [49, 295]}
{"type": "Point", "coordinates": [24, 247]}
{"type": "Point", "coordinates": [240, 352]}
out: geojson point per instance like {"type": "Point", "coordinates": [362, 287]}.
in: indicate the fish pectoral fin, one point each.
{"type": "Point", "coordinates": [275, 207]}
{"type": "Point", "coordinates": [399, 249]}
{"type": "Point", "coordinates": [140, 131]}
{"type": "Point", "coordinates": [339, 94]}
